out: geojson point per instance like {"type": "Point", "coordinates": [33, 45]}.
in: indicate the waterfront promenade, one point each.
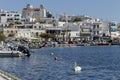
{"type": "Point", "coordinates": [1, 78]}
{"type": "Point", "coordinates": [4, 77]}
{"type": "Point", "coordinates": [7, 76]}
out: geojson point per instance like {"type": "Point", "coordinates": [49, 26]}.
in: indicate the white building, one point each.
{"type": "Point", "coordinates": [6, 17]}
{"type": "Point", "coordinates": [94, 29]}
{"type": "Point", "coordinates": [28, 33]}
{"type": "Point", "coordinates": [86, 30]}
{"type": "Point", "coordinates": [34, 13]}
{"type": "Point", "coordinates": [72, 31]}
{"type": "Point", "coordinates": [64, 17]}
{"type": "Point", "coordinates": [105, 29]}
{"type": "Point", "coordinates": [114, 33]}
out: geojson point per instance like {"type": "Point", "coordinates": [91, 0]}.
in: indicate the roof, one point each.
{"type": "Point", "coordinates": [31, 9]}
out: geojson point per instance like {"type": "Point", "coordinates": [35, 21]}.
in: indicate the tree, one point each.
{"type": "Point", "coordinates": [17, 22]}
{"type": "Point", "coordinates": [2, 37]}
{"type": "Point", "coordinates": [77, 20]}
{"type": "Point", "coordinates": [11, 24]}
{"type": "Point", "coordinates": [49, 15]}
{"type": "Point", "coordinates": [11, 35]}
{"type": "Point", "coordinates": [51, 36]}
{"type": "Point", "coordinates": [46, 36]}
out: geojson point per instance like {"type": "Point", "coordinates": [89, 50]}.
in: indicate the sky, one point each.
{"type": "Point", "coordinates": [107, 10]}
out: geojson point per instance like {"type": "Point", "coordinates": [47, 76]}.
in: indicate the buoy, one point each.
{"type": "Point", "coordinates": [52, 53]}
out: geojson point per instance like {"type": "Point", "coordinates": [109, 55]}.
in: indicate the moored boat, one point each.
{"type": "Point", "coordinates": [103, 44]}
{"type": "Point", "coordinates": [11, 54]}
{"type": "Point", "coordinates": [24, 50]}
{"type": "Point", "coordinates": [14, 51]}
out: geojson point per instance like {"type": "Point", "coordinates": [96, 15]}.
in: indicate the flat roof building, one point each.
{"type": "Point", "coordinates": [9, 16]}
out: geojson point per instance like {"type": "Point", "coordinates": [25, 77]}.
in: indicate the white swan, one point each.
{"type": "Point", "coordinates": [77, 68]}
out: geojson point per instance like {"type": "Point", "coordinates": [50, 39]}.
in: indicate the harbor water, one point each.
{"type": "Point", "coordinates": [97, 63]}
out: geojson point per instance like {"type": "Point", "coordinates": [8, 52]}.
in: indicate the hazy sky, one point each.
{"type": "Point", "coordinates": [103, 9]}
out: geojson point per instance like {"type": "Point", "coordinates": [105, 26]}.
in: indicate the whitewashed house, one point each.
{"type": "Point", "coordinates": [32, 32]}
{"type": "Point", "coordinates": [72, 31]}
{"type": "Point", "coordinates": [7, 17]}
{"type": "Point", "coordinates": [114, 33]}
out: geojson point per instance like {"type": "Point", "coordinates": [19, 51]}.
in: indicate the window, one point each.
{"type": "Point", "coordinates": [9, 19]}
{"type": "Point", "coordinates": [97, 32]}
{"type": "Point", "coordinates": [11, 31]}
{"type": "Point", "coordinates": [94, 32]}
{"type": "Point", "coordinates": [16, 31]}
{"type": "Point", "coordinates": [97, 26]}
{"type": "Point", "coordinates": [17, 19]}
{"type": "Point", "coordinates": [16, 15]}
{"type": "Point", "coordinates": [28, 14]}
{"type": "Point", "coordinates": [39, 26]}
{"type": "Point", "coordinates": [7, 31]}
{"type": "Point", "coordinates": [37, 34]}
{"type": "Point", "coordinates": [3, 14]}
{"type": "Point", "coordinates": [94, 26]}
{"type": "Point", "coordinates": [112, 24]}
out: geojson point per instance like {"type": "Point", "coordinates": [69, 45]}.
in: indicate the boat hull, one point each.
{"type": "Point", "coordinates": [102, 44]}
{"type": "Point", "coordinates": [11, 54]}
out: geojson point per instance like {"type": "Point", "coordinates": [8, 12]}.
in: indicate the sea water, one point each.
{"type": "Point", "coordinates": [97, 63]}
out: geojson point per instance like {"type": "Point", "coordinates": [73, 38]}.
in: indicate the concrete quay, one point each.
{"type": "Point", "coordinates": [7, 76]}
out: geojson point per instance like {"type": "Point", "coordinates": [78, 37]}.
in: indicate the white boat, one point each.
{"type": "Point", "coordinates": [12, 49]}
{"type": "Point", "coordinates": [11, 54]}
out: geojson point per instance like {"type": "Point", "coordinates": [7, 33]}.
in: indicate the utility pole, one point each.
{"type": "Point", "coordinates": [66, 18]}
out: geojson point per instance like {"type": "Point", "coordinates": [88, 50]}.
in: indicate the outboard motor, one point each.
{"type": "Point", "coordinates": [24, 50]}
